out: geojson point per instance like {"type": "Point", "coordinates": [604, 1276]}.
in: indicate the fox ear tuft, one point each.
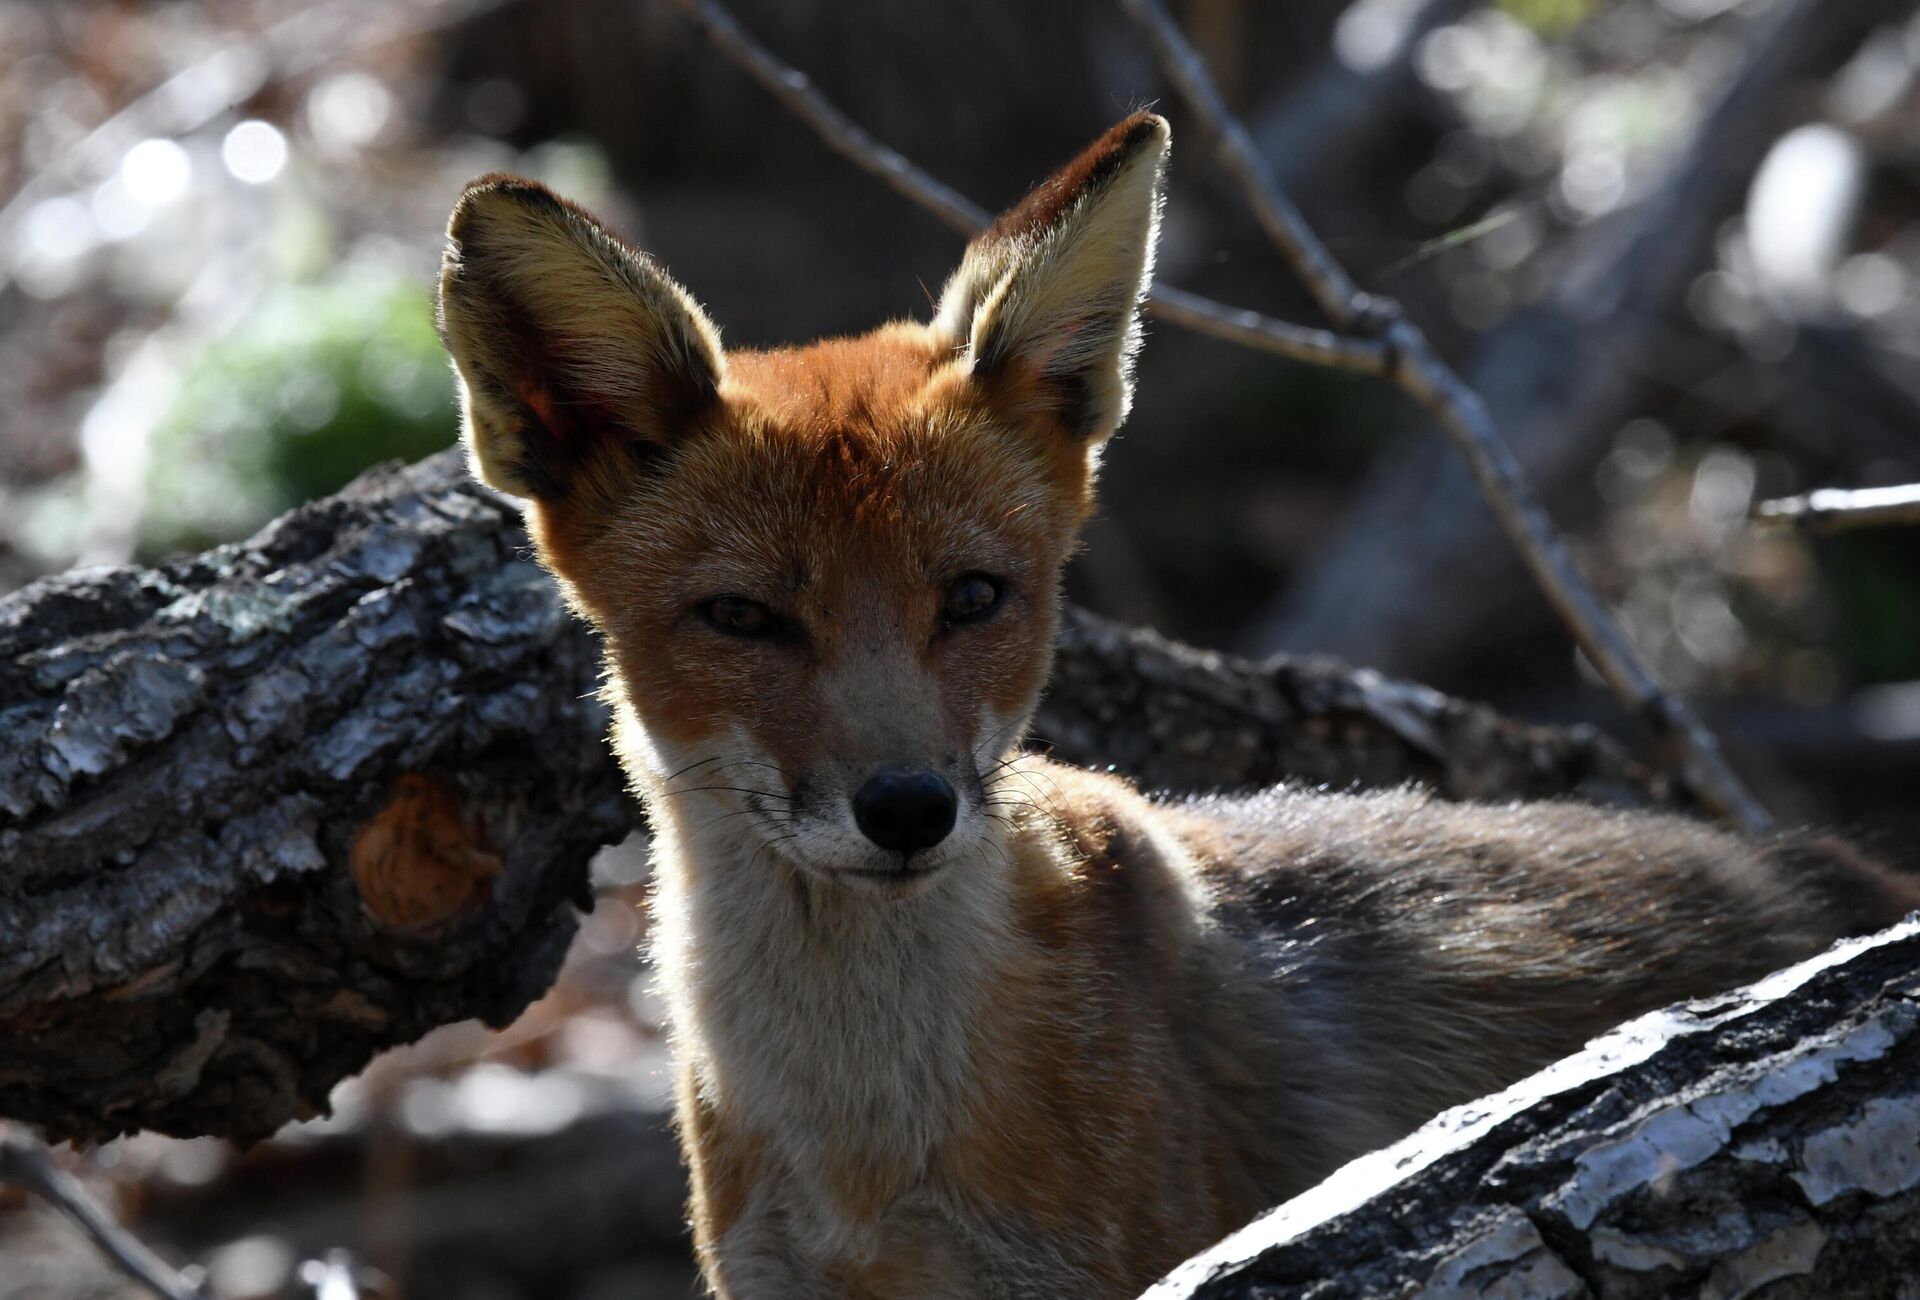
{"type": "Point", "coordinates": [568, 342]}
{"type": "Point", "coordinates": [1046, 302]}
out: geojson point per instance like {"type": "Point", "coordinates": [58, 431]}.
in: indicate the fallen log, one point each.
{"type": "Point", "coordinates": [1765, 1139]}
{"type": "Point", "coordinates": [269, 810]}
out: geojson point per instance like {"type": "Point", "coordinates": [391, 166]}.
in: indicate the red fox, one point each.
{"type": "Point", "coordinates": [953, 1020]}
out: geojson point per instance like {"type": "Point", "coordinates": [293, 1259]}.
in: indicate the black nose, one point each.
{"type": "Point", "coordinates": [904, 809]}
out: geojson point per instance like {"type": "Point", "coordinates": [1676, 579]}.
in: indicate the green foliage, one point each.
{"type": "Point", "coordinates": [318, 384]}
{"type": "Point", "coordinates": [1549, 17]}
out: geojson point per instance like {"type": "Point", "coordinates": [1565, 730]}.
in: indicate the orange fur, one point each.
{"type": "Point", "coordinates": [1080, 1034]}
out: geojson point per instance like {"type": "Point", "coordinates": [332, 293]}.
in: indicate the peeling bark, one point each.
{"type": "Point", "coordinates": [1768, 1138]}
{"type": "Point", "coordinates": [272, 809]}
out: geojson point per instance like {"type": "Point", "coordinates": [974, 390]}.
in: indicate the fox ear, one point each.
{"type": "Point", "coordinates": [568, 342]}
{"type": "Point", "coordinates": [1046, 302]}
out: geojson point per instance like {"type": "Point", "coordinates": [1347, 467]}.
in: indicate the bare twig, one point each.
{"type": "Point", "coordinates": [853, 142]}
{"type": "Point", "coordinates": [842, 134]}
{"type": "Point", "coordinates": [1418, 369]}
{"type": "Point", "coordinates": [1339, 297]}
{"type": "Point", "coordinates": [1265, 334]}
{"type": "Point", "coordinates": [1833, 510]}
{"type": "Point", "coordinates": [25, 1162]}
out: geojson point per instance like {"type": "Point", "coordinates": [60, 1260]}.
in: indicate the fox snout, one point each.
{"type": "Point", "coordinates": [904, 809]}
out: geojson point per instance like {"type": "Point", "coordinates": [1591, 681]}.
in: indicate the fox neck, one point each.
{"type": "Point", "coordinates": [843, 1028]}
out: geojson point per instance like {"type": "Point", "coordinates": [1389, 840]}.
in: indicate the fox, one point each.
{"type": "Point", "coordinates": [950, 1019]}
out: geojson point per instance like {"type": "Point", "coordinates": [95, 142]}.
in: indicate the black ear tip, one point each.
{"type": "Point", "coordinates": [1133, 135]}
{"type": "Point", "coordinates": [1144, 126]}
{"type": "Point", "coordinates": [1120, 147]}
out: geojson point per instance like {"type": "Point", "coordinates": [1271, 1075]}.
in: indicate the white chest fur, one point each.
{"type": "Point", "coordinates": [835, 1027]}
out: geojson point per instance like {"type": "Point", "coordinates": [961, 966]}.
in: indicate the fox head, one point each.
{"type": "Point", "coordinates": [827, 577]}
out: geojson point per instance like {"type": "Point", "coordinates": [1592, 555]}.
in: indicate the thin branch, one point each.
{"type": "Point", "coordinates": [842, 134]}
{"type": "Point", "coordinates": [851, 141]}
{"type": "Point", "coordinates": [1418, 369]}
{"type": "Point", "coordinates": [25, 1162]}
{"type": "Point", "coordinates": [1250, 329]}
{"type": "Point", "coordinates": [1339, 297]}
{"type": "Point", "coordinates": [1833, 510]}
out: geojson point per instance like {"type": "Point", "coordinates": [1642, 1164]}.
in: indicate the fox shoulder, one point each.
{"type": "Point", "coordinates": [1130, 892]}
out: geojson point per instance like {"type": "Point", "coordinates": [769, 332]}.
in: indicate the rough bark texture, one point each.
{"type": "Point", "coordinates": [1764, 1142]}
{"type": "Point", "coordinates": [1175, 718]}
{"type": "Point", "coordinates": [270, 810]}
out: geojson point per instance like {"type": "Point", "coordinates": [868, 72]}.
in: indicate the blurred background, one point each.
{"type": "Point", "coordinates": [1675, 243]}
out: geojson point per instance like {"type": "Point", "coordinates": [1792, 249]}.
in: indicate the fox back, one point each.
{"type": "Point", "coordinates": [951, 1020]}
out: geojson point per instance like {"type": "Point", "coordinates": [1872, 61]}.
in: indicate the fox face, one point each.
{"type": "Point", "coordinates": [827, 577]}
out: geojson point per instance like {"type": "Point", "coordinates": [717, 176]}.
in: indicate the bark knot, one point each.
{"type": "Point", "coordinates": [420, 861]}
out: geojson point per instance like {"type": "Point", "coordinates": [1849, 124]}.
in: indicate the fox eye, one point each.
{"type": "Point", "coordinates": [738, 616]}
{"type": "Point", "coordinates": [972, 598]}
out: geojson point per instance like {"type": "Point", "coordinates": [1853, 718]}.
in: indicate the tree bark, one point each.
{"type": "Point", "coordinates": [269, 810]}
{"type": "Point", "coordinates": [1768, 1138]}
